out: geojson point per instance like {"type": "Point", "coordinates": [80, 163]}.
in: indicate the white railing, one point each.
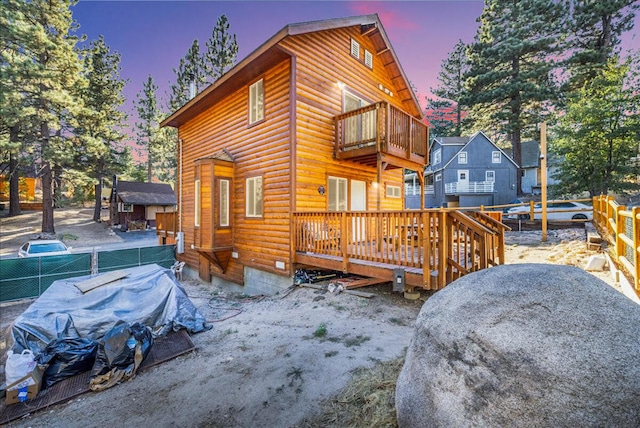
{"type": "Point", "coordinates": [411, 190]}
{"type": "Point", "coordinates": [469, 187]}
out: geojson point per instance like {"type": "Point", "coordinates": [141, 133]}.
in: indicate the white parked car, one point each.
{"type": "Point", "coordinates": [555, 211]}
{"type": "Point", "coordinates": [43, 247]}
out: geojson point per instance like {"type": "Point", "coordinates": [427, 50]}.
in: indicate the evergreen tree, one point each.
{"type": "Point", "coordinates": [148, 126]}
{"type": "Point", "coordinates": [441, 117]}
{"type": "Point", "coordinates": [451, 88]}
{"type": "Point", "coordinates": [99, 127]}
{"type": "Point", "coordinates": [511, 62]}
{"type": "Point", "coordinates": [598, 135]}
{"type": "Point", "coordinates": [190, 71]}
{"type": "Point", "coordinates": [222, 50]}
{"type": "Point", "coordinates": [45, 65]}
{"type": "Point", "coordinates": [594, 36]}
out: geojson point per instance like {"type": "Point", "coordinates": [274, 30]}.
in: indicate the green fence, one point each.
{"type": "Point", "coordinates": [131, 257]}
{"type": "Point", "coordinates": [30, 277]}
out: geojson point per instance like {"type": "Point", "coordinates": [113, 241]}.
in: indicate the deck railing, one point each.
{"type": "Point", "coordinates": [384, 127]}
{"type": "Point", "coordinates": [621, 227]}
{"type": "Point", "coordinates": [444, 244]}
{"type": "Point", "coordinates": [468, 187]}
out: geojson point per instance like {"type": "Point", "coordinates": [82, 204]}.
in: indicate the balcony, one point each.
{"type": "Point", "coordinates": [383, 129]}
{"type": "Point", "coordinates": [457, 188]}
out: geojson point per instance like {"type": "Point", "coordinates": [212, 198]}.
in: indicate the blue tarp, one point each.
{"type": "Point", "coordinates": [149, 294]}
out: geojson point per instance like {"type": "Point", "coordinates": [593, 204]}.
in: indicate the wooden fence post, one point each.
{"type": "Point", "coordinates": [344, 241]}
{"type": "Point", "coordinates": [620, 228]}
{"type": "Point", "coordinates": [636, 246]}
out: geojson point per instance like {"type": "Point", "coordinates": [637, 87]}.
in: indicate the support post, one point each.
{"type": "Point", "coordinates": [543, 178]}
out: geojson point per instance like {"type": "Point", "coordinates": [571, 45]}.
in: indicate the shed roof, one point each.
{"type": "Point", "coordinates": [269, 53]}
{"type": "Point", "coordinates": [137, 193]}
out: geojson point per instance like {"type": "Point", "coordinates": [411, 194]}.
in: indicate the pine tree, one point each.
{"type": "Point", "coordinates": [190, 71]}
{"type": "Point", "coordinates": [222, 50]}
{"type": "Point", "coordinates": [99, 125]}
{"type": "Point", "coordinates": [598, 135]}
{"type": "Point", "coordinates": [594, 36]}
{"type": "Point", "coordinates": [509, 81]}
{"type": "Point", "coordinates": [441, 117]}
{"type": "Point", "coordinates": [45, 64]}
{"type": "Point", "coordinates": [148, 125]}
{"type": "Point", "coordinates": [451, 88]}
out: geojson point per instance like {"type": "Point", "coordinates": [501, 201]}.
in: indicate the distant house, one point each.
{"type": "Point", "coordinates": [465, 172]}
{"type": "Point", "coordinates": [531, 172]}
{"type": "Point", "coordinates": [132, 201]}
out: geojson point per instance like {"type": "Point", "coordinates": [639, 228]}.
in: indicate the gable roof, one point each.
{"type": "Point", "coordinates": [269, 53]}
{"type": "Point", "coordinates": [469, 140]}
{"type": "Point", "coordinates": [137, 193]}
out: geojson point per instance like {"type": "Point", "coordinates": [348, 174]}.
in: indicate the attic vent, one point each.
{"type": "Point", "coordinates": [355, 49]}
{"type": "Point", "coordinates": [368, 59]}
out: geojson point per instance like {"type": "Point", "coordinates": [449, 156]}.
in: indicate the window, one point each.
{"type": "Point", "coordinates": [393, 191]}
{"type": "Point", "coordinates": [462, 157]}
{"type": "Point", "coordinates": [126, 208]}
{"type": "Point", "coordinates": [490, 176]}
{"type": "Point", "coordinates": [355, 49]}
{"type": "Point", "coordinates": [256, 102]}
{"type": "Point", "coordinates": [337, 194]}
{"type": "Point", "coordinates": [196, 215]}
{"type": "Point", "coordinates": [438, 177]}
{"type": "Point", "coordinates": [496, 157]}
{"type": "Point", "coordinates": [437, 156]}
{"type": "Point", "coordinates": [368, 59]}
{"type": "Point", "coordinates": [224, 203]}
{"type": "Point", "coordinates": [254, 197]}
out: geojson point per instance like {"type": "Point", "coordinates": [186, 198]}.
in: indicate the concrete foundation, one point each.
{"type": "Point", "coordinates": [256, 282]}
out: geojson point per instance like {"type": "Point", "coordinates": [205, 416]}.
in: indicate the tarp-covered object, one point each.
{"type": "Point", "coordinates": [149, 295]}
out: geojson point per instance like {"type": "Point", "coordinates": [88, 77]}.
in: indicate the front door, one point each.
{"type": "Point", "coordinates": [463, 180]}
{"type": "Point", "coordinates": [358, 203]}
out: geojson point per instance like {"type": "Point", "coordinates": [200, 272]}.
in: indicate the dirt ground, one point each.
{"type": "Point", "coordinates": [271, 361]}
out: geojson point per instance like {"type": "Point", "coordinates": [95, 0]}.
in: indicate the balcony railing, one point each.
{"type": "Point", "coordinates": [381, 128]}
{"type": "Point", "coordinates": [455, 188]}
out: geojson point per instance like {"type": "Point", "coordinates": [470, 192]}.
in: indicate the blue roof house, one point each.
{"type": "Point", "coordinates": [465, 172]}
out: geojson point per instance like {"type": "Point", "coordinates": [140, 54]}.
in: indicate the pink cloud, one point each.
{"type": "Point", "coordinates": [390, 19]}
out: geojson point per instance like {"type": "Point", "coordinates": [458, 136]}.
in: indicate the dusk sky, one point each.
{"type": "Point", "coordinates": [152, 36]}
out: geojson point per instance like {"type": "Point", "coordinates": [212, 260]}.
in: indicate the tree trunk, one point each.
{"type": "Point", "coordinates": [97, 209]}
{"type": "Point", "coordinates": [14, 176]}
{"type": "Point", "coordinates": [57, 186]}
{"type": "Point", "coordinates": [47, 181]}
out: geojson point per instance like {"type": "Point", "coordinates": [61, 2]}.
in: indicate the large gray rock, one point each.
{"type": "Point", "coordinates": [523, 345]}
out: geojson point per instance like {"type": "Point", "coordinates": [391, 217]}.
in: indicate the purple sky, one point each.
{"type": "Point", "coordinates": [152, 36]}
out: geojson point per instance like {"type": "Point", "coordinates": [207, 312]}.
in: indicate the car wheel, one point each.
{"type": "Point", "coordinates": [523, 216]}
{"type": "Point", "coordinates": [579, 217]}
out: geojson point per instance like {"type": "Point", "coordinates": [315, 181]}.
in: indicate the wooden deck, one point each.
{"type": "Point", "coordinates": [433, 247]}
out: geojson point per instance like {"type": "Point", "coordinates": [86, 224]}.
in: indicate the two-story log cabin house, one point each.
{"type": "Point", "coordinates": [293, 156]}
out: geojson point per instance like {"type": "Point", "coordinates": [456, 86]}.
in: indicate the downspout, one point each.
{"type": "Point", "coordinates": [180, 184]}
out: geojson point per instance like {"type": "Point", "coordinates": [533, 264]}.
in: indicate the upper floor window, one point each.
{"type": "Point", "coordinates": [490, 176]}
{"type": "Point", "coordinates": [437, 156]}
{"type": "Point", "coordinates": [496, 157]}
{"type": "Point", "coordinates": [256, 102]}
{"type": "Point", "coordinates": [368, 59]}
{"type": "Point", "coordinates": [462, 157]}
{"type": "Point", "coordinates": [355, 49]}
{"type": "Point", "coordinates": [254, 197]}
{"type": "Point", "coordinates": [438, 177]}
